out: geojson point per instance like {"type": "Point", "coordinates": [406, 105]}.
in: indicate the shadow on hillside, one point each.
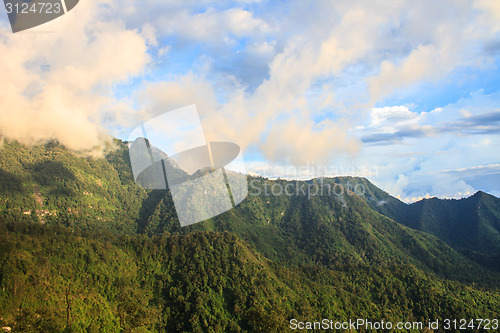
{"type": "Point", "coordinates": [10, 183]}
{"type": "Point", "coordinates": [152, 221]}
{"type": "Point", "coordinates": [120, 160]}
{"type": "Point", "coordinates": [148, 208]}
{"type": "Point", "coordinates": [55, 176]}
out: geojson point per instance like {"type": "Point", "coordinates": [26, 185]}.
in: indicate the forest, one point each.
{"type": "Point", "coordinates": [84, 249]}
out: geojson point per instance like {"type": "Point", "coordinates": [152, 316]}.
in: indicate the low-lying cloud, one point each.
{"type": "Point", "coordinates": [58, 79]}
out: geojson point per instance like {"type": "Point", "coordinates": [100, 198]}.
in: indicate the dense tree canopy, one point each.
{"type": "Point", "coordinates": [83, 249]}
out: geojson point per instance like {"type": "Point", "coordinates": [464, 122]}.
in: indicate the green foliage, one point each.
{"type": "Point", "coordinates": [53, 185]}
{"type": "Point", "coordinates": [469, 225]}
{"type": "Point", "coordinates": [84, 249]}
{"type": "Point", "coordinates": [54, 280]}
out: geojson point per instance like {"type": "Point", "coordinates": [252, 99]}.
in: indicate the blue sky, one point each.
{"type": "Point", "coordinates": [404, 93]}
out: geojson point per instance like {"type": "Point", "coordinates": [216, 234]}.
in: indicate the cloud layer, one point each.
{"type": "Point", "coordinates": [58, 80]}
{"type": "Point", "coordinates": [406, 86]}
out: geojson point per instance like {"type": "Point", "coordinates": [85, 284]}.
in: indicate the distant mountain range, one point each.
{"type": "Point", "coordinates": [297, 242]}
{"type": "Point", "coordinates": [469, 225]}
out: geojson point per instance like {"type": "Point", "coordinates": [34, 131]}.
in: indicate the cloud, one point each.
{"type": "Point", "coordinates": [212, 26]}
{"type": "Point", "coordinates": [390, 125]}
{"type": "Point", "coordinates": [298, 142]}
{"type": "Point", "coordinates": [260, 72]}
{"type": "Point", "coordinates": [392, 116]}
{"type": "Point", "coordinates": [478, 124]}
{"type": "Point", "coordinates": [426, 62]}
{"type": "Point", "coordinates": [206, 22]}
{"type": "Point", "coordinates": [155, 98]}
{"type": "Point", "coordinates": [438, 42]}
{"type": "Point", "coordinates": [398, 188]}
{"type": "Point", "coordinates": [452, 189]}
{"type": "Point", "coordinates": [478, 170]}
{"type": "Point", "coordinates": [295, 69]}
{"type": "Point", "coordinates": [490, 13]}
{"type": "Point", "coordinates": [57, 85]}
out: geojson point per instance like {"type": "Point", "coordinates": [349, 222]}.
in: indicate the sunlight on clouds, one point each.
{"type": "Point", "coordinates": [297, 81]}
{"type": "Point", "coordinates": [156, 98]}
{"type": "Point", "coordinates": [213, 26]}
{"type": "Point", "coordinates": [68, 74]}
{"type": "Point", "coordinates": [316, 143]}
{"type": "Point", "coordinates": [491, 13]}
{"type": "Point", "coordinates": [426, 62]}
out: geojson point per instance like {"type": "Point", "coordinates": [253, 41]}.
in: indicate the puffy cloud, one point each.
{"type": "Point", "coordinates": [452, 189]}
{"type": "Point", "coordinates": [398, 188]}
{"type": "Point", "coordinates": [214, 26]}
{"type": "Point", "coordinates": [155, 98]}
{"type": "Point", "coordinates": [393, 116]}
{"type": "Point", "coordinates": [299, 143]}
{"type": "Point", "coordinates": [426, 62]}
{"type": "Point", "coordinates": [57, 85]}
{"type": "Point", "coordinates": [491, 13]}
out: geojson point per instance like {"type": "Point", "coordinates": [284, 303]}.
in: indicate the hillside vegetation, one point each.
{"type": "Point", "coordinates": [84, 249]}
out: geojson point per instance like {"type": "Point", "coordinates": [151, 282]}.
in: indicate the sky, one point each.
{"type": "Point", "coordinates": [405, 93]}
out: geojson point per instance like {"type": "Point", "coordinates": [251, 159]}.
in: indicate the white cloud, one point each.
{"type": "Point", "coordinates": [196, 22]}
{"type": "Point", "coordinates": [57, 85]}
{"type": "Point", "coordinates": [398, 188]}
{"type": "Point", "coordinates": [390, 117]}
{"type": "Point", "coordinates": [290, 79]}
{"type": "Point", "coordinates": [491, 13]}
{"type": "Point", "coordinates": [301, 142]}
{"type": "Point", "coordinates": [445, 188]}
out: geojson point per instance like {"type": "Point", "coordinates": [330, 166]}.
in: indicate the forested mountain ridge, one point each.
{"type": "Point", "coordinates": [469, 225]}
{"type": "Point", "coordinates": [52, 185]}
{"type": "Point", "coordinates": [85, 249]}
{"type": "Point", "coordinates": [56, 280]}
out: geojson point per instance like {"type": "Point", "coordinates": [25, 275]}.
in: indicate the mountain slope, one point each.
{"type": "Point", "coordinates": [329, 227]}
{"type": "Point", "coordinates": [55, 280]}
{"type": "Point", "coordinates": [377, 199]}
{"type": "Point", "coordinates": [469, 225]}
{"type": "Point", "coordinates": [50, 184]}
{"type": "Point", "coordinates": [83, 248]}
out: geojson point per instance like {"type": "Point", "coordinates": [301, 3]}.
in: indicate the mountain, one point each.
{"type": "Point", "coordinates": [83, 248]}
{"type": "Point", "coordinates": [377, 199]}
{"type": "Point", "coordinates": [52, 185]}
{"type": "Point", "coordinates": [49, 184]}
{"type": "Point", "coordinates": [469, 225]}
{"type": "Point", "coordinates": [56, 280]}
{"type": "Point", "coordinates": [327, 229]}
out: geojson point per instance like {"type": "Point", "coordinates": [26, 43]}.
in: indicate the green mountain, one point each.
{"type": "Point", "coordinates": [83, 248]}
{"type": "Point", "coordinates": [56, 280]}
{"type": "Point", "coordinates": [49, 184]}
{"type": "Point", "coordinates": [377, 199]}
{"type": "Point", "coordinates": [469, 225]}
